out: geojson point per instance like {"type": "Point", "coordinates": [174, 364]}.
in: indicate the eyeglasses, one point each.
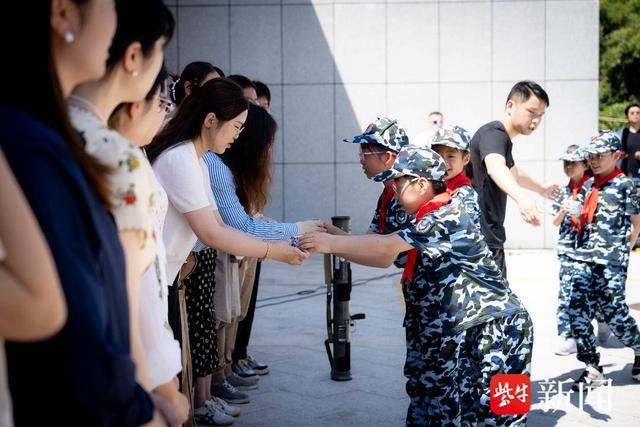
{"type": "Point", "coordinates": [369, 153]}
{"type": "Point", "coordinates": [598, 156]}
{"type": "Point", "coordinates": [395, 187]}
{"type": "Point", "coordinates": [165, 105]}
{"type": "Point", "coordinates": [239, 130]}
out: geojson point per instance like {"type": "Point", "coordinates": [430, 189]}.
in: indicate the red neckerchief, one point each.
{"type": "Point", "coordinates": [591, 202]}
{"type": "Point", "coordinates": [575, 189]}
{"type": "Point", "coordinates": [385, 198]}
{"type": "Point", "coordinates": [457, 181]}
{"type": "Point", "coordinates": [433, 204]}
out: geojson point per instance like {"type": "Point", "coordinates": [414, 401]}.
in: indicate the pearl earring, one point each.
{"type": "Point", "coordinates": [134, 73]}
{"type": "Point", "coordinates": [69, 37]}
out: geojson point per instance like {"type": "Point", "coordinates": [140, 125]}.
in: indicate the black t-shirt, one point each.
{"type": "Point", "coordinates": [631, 144]}
{"type": "Point", "coordinates": [490, 138]}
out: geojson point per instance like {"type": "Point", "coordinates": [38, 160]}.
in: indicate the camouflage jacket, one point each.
{"type": "Point", "coordinates": [606, 240]}
{"type": "Point", "coordinates": [468, 197]}
{"type": "Point", "coordinates": [456, 284]}
{"type": "Point", "coordinates": [566, 233]}
{"type": "Point", "coordinates": [395, 216]}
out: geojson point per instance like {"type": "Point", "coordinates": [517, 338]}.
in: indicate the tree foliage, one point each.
{"type": "Point", "coordinates": [619, 53]}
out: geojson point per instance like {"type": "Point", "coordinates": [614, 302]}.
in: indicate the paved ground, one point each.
{"type": "Point", "coordinates": [290, 330]}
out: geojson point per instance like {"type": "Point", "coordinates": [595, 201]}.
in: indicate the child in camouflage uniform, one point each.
{"type": "Point", "coordinates": [577, 169]}
{"type": "Point", "coordinates": [452, 144]}
{"type": "Point", "coordinates": [379, 147]}
{"type": "Point", "coordinates": [463, 324]}
{"type": "Point", "coordinates": [607, 228]}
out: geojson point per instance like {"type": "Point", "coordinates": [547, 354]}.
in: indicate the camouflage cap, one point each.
{"type": "Point", "coordinates": [574, 153]}
{"type": "Point", "coordinates": [604, 142]}
{"type": "Point", "coordinates": [417, 162]}
{"type": "Point", "coordinates": [383, 131]}
{"type": "Point", "coordinates": [452, 136]}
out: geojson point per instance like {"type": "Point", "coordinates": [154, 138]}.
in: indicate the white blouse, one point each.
{"type": "Point", "coordinates": [132, 182]}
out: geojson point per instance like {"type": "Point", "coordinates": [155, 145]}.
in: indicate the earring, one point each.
{"type": "Point", "coordinates": [134, 73]}
{"type": "Point", "coordinates": [69, 37]}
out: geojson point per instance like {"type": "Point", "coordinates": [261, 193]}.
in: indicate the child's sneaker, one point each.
{"type": "Point", "coordinates": [590, 379]}
{"type": "Point", "coordinates": [567, 347]}
{"type": "Point", "coordinates": [635, 371]}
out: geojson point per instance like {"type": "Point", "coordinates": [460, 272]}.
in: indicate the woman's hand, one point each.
{"type": "Point", "coordinates": [310, 226]}
{"type": "Point", "coordinates": [315, 242]}
{"type": "Point", "coordinates": [282, 251]}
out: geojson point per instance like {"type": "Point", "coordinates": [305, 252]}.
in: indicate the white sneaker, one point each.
{"type": "Point", "coordinates": [234, 411]}
{"type": "Point", "coordinates": [209, 415]}
{"type": "Point", "coordinates": [603, 333]}
{"type": "Point", "coordinates": [567, 347]}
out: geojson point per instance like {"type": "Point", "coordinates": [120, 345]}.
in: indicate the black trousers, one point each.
{"type": "Point", "coordinates": [499, 258]}
{"type": "Point", "coordinates": [174, 311]}
{"type": "Point", "coordinates": [244, 328]}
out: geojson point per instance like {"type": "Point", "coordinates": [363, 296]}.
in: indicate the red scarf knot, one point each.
{"type": "Point", "coordinates": [436, 203]}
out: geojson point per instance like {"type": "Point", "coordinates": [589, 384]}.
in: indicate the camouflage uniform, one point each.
{"type": "Point", "coordinates": [599, 264]}
{"type": "Point", "coordinates": [463, 324]}
{"type": "Point", "coordinates": [458, 138]}
{"type": "Point", "coordinates": [468, 198]}
{"type": "Point", "coordinates": [388, 134]}
{"type": "Point", "coordinates": [566, 243]}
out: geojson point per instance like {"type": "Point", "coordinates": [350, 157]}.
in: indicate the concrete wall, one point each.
{"type": "Point", "coordinates": [333, 66]}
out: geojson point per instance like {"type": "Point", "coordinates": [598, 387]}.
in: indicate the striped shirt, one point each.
{"type": "Point", "coordinates": [232, 211]}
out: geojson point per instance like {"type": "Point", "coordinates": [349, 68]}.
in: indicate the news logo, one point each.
{"type": "Point", "coordinates": [510, 394]}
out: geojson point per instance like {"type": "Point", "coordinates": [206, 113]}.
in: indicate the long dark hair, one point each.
{"type": "Point", "coordinates": [249, 158]}
{"type": "Point", "coordinates": [42, 98]}
{"type": "Point", "coordinates": [143, 21]}
{"type": "Point", "coordinates": [158, 84]}
{"type": "Point", "coordinates": [221, 96]}
{"type": "Point", "coordinates": [193, 73]}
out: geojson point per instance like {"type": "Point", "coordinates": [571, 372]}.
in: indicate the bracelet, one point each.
{"type": "Point", "coordinates": [266, 253]}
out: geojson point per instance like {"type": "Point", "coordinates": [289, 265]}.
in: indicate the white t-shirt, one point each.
{"type": "Point", "coordinates": [185, 178]}
{"type": "Point", "coordinates": [164, 359]}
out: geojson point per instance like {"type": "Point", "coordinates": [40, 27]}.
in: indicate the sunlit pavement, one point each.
{"type": "Point", "coordinates": [290, 328]}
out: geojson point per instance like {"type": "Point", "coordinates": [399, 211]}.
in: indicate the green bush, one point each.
{"type": "Point", "coordinates": [619, 59]}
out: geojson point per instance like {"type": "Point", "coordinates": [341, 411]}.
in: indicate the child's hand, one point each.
{"type": "Point", "coordinates": [332, 229]}
{"type": "Point", "coordinates": [315, 242]}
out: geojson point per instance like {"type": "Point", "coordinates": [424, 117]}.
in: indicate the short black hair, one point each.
{"type": "Point", "coordinates": [524, 89]}
{"type": "Point", "coordinates": [439, 187]}
{"type": "Point", "coordinates": [629, 107]}
{"type": "Point", "coordinates": [262, 90]}
{"type": "Point", "coordinates": [242, 81]}
{"type": "Point", "coordinates": [375, 147]}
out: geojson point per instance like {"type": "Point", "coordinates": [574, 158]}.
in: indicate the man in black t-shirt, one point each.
{"type": "Point", "coordinates": [495, 174]}
{"type": "Point", "coordinates": [631, 142]}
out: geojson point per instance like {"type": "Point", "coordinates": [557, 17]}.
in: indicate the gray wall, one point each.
{"type": "Point", "coordinates": [333, 66]}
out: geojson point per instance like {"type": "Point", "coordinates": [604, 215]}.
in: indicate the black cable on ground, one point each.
{"type": "Point", "coordinates": [310, 293]}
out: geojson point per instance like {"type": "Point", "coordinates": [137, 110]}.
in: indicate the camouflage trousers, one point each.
{"type": "Point", "coordinates": [564, 297]}
{"type": "Point", "coordinates": [448, 375]}
{"type": "Point", "coordinates": [599, 287]}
